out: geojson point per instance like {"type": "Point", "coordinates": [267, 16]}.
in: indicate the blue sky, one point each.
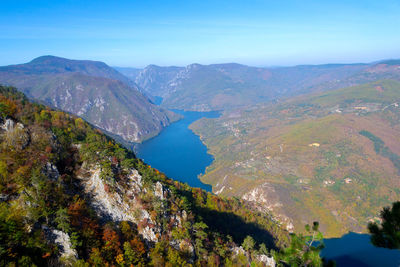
{"type": "Point", "coordinates": [263, 33]}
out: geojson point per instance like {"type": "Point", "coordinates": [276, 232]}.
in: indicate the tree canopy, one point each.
{"type": "Point", "coordinates": [386, 234]}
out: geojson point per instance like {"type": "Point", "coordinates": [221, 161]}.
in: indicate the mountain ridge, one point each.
{"type": "Point", "coordinates": [228, 85]}
{"type": "Point", "coordinates": [93, 90]}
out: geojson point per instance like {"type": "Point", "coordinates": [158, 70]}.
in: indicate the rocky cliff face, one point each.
{"type": "Point", "coordinates": [223, 86]}
{"type": "Point", "coordinates": [267, 200]}
{"type": "Point", "coordinates": [122, 203]}
{"type": "Point", "coordinates": [157, 81]}
{"type": "Point", "coordinates": [70, 195]}
{"type": "Point", "coordinates": [92, 90]}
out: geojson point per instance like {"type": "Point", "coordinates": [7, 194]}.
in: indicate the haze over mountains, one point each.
{"type": "Point", "coordinates": [113, 100]}
{"type": "Point", "coordinates": [309, 141]}
{"type": "Point", "coordinates": [303, 143]}
{"type": "Point", "coordinates": [92, 90]}
{"type": "Point", "coordinates": [224, 86]}
{"type": "Point", "coordinates": [200, 133]}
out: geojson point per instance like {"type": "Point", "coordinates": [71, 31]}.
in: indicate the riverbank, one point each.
{"type": "Point", "coordinates": [178, 152]}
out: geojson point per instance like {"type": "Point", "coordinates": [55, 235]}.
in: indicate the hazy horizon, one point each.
{"type": "Point", "coordinates": [255, 33]}
{"type": "Point", "coordinates": [217, 63]}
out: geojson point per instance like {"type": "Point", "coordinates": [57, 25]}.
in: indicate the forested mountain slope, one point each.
{"type": "Point", "coordinates": [225, 86]}
{"type": "Point", "coordinates": [222, 86]}
{"type": "Point", "coordinates": [92, 90]}
{"type": "Point", "coordinates": [332, 156]}
{"type": "Point", "coordinates": [70, 195]}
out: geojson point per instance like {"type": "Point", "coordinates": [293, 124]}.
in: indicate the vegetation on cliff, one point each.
{"type": "Point", "coordinates": [46, 160]}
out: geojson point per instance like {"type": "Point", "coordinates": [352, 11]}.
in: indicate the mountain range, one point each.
{"type": "Point", "coordinates": [92, 90]}
{"type": "Point", "coordinates": [225, 86]}
{"type": "Point", "coordinates": [287, 134]}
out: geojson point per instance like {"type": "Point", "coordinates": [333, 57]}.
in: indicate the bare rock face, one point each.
{"type": "Point", "coordinates": [149, 234]}
{"type": "Point", "coordinates": [266, 199]}
{"type": "Point", "coordinates": [111, 205]}
{"type": "Point", "coordinates": [120, 204]}
{"type": "Point", "coordinates": [63, 242]}
{"type": "Point", "coordinates": [159, 190]}
{"type": "Point", "coordinates": [238, 250]}
{"type": "Point", "coordinates": [268, 261]}
{"type": "Point", "coordinates": [15, 134]}
{"type": "Point", "coordinates": [9, 125]}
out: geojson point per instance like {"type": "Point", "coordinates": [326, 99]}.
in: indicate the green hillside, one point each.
{"type": "Point", "coordinates": [383, 91]}
{"type": "Point", "coordinates": [72, 196]}
{"type": "Point", "coordinates": [310, 156]}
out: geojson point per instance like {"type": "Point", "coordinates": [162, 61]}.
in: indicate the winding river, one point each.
{"type": "Point", "coordinates": [180, 154]}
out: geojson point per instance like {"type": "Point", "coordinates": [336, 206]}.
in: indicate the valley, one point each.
{"type": "Point", "coordinates": [178, 152]}
{"type": "Point", "coordinates": [200, 133]}
{"type": "Point", "coordinates": [293, 145]}
{"type": "Point", "coordinates": [330, 156]}
{"type": "Point", "coordinates": [323, 145]}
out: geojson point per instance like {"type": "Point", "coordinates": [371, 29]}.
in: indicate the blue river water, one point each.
{"type": "Point", "coordinates": [178, 152]}
{"type": "Point", "coordinates": [354, 249]}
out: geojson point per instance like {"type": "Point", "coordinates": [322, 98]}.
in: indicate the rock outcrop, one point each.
{"type": "Point", "coordinates": [267, 200]}
{"type": "Point", "coordinates": [121, 203]}
{"type": "Point", "coordinates": [63, 241]}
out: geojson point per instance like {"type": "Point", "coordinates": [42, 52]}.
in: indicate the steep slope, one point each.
{"type": "Point", "coordinates": [157, 81]}
{"type": "Point", "coordinates": [332, 156]}
{"type": "Point", "coordinates": [224, 86]}
{"type": "Point", "coordinates": [92, 90]}
{"type": "Point", "coordinates": [131, 73]}
{"type": "Point", "coordinates": [69, 195]}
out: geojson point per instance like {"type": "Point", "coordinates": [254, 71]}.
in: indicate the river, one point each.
{"type": "Point", "coordinates": [354, 249]}
{"type": "Point", "coordinates": [180, 154]}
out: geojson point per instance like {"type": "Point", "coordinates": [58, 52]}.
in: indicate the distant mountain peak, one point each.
{"type": "Point", "coordinates": [50, 59]}
{"type": "Point", "coordinates": [44, 58]}
{"type": "Point", "coordinates": [92, 90]}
